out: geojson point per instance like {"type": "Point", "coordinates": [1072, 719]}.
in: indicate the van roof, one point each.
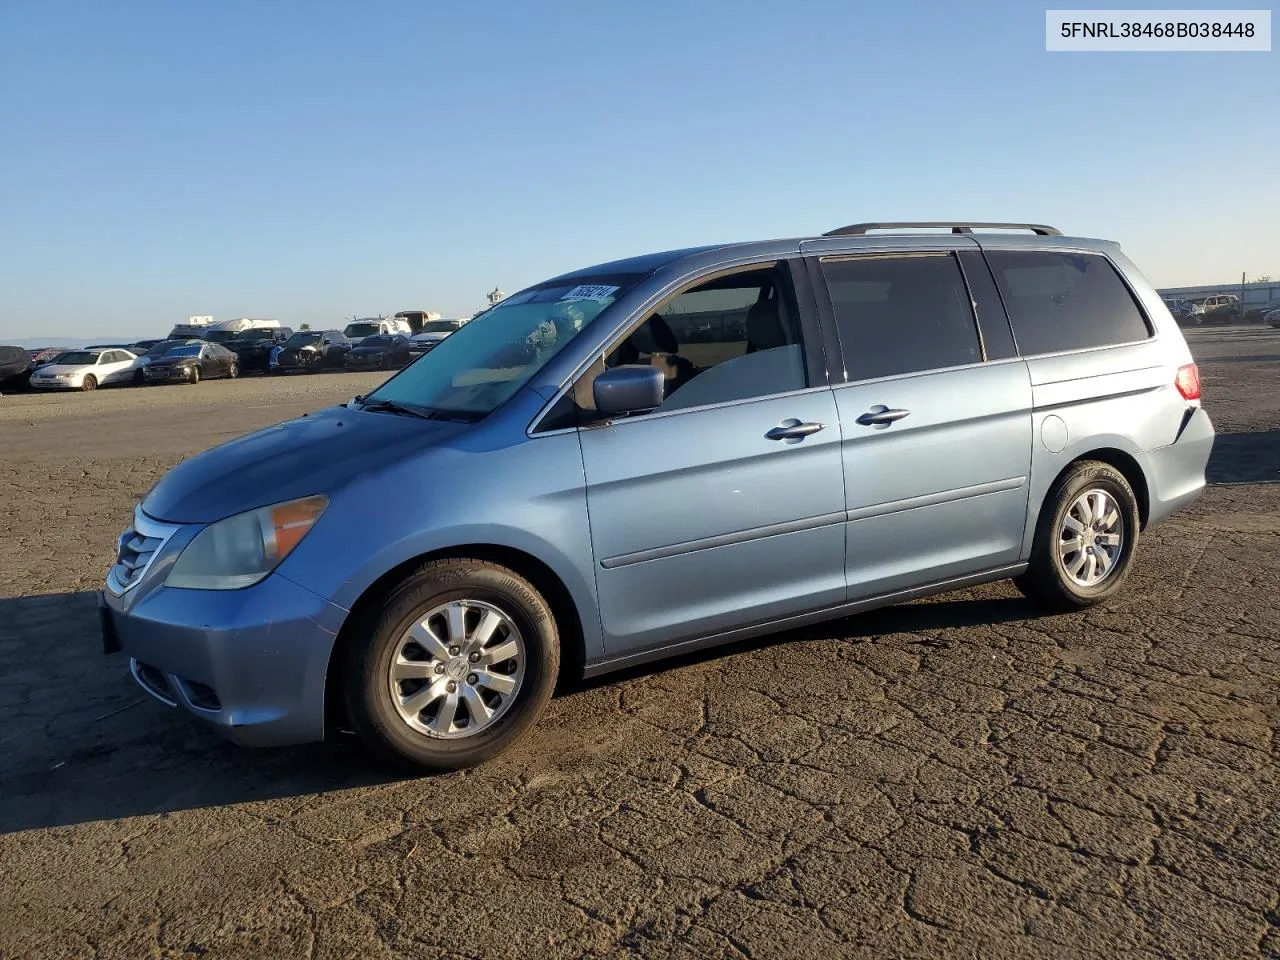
{"type": "Point", "coordinates": [853, 236]}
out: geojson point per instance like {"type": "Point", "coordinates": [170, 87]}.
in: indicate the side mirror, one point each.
{"type": "Point", "coordinates": [629, 389]}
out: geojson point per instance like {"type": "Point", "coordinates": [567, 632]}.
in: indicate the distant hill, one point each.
{"type": "Point", "coordinates": [28, 343]}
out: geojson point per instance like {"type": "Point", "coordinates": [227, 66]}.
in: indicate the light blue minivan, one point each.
{"type": "Point", "coordinates": [659, 454]}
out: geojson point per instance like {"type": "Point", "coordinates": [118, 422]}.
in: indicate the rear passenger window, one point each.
{"type": "Point", "coordinates": [901, 313]}
{"type": "Point", "coordinates": [1065, 301]}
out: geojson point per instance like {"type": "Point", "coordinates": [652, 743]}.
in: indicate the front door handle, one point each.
{"type": "Point", "coordinates": [794, 430]}
{"type": "Point", "coordinates": [881, 416]}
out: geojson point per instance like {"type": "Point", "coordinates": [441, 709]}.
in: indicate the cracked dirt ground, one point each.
{"type": "Point", "coordinates": [961, 777]}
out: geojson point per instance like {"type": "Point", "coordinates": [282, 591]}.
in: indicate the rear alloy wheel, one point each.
{"type": "Point", "coordinates": [1085, 539]}
{"type": "Point", "coordinates": [453, 667]}
{"type": "Point", "coordinates": [90, 382]}
{"type": "Point", "coordinates": [233, 371]}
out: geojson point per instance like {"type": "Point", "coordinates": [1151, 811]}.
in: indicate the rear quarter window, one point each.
{"type": "Point", "coordinates": [1065, 301]}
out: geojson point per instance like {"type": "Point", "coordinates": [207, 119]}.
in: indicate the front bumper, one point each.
{"type": "Point", "coordinates": [166, 374]}
{"type": "Point", "coordinates": [250, 662]}
{"type": "Point", "coordinates": [54, 384]}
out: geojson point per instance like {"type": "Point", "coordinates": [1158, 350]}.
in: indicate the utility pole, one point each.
{"type": "Point", "coordinates": [1242, 282]}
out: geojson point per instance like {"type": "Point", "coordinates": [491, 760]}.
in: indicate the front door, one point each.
{"type": "Point", "coordinates": [936, 415]}
{"type": "Point", "coordinates": [724, 507]}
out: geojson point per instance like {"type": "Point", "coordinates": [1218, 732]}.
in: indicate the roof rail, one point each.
{"type": "Point", "coordinates": [859, 229]}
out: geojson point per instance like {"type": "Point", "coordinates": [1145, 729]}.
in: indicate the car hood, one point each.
{"type": "Point", "coordinates": [429, 337]}
{"type": "Point", "coordinates": [171, 361]}
{"type": "Point", "coordinates": [315, 453]}
{"type": "Point", "coordinates": [63, 368]}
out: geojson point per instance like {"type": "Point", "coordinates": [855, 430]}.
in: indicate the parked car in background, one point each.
{"type": "Point", "coordinates": [227, 330]}
{"type": "Point", "coordinates": [416, 319]}
{"type": "Point", "coordinates": [1218, 309]}
{"type": "Point", "coordinates": [154, 352]}
{"type": "Point", "coordinates": [41, 355]}
{"type": "Point", "coordinates": [85, 370]}
{"type": "Point", "coordinates": [427, 561]}
{"type": "Point", "coordinates": [1272, 317]}
{"type": "Point", "coordinates": [255, 346]}
{"type": "Point", "coordinates": [311, 350]}
{"type": "Point", "coordinates": [357, 330]}
{"type": "Point", "coordinates": [191, 363]}
{"type": "Point", "coordinates": [15, 369]}
{"type": "Point", "coordinates": [194, 327]}
{"type": "Point", "coordinates": [385, 351]}
{"type": "Point", "coordinates": [142, 346]}
{"type": "Point", "coordinates": [433, 331]}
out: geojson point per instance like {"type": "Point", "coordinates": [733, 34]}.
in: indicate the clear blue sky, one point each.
{"type": "Point", "coordinates": [308, 160]}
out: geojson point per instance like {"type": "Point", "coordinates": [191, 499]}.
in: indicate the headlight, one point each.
{"type": "Point", "coordinates": [66, 376]}
{"type": "Point", "coordinates": [241, 550]}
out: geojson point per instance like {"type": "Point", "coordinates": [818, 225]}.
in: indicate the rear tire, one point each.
{"type": "Point", "coordinates": [1082, 554]}
{"type": "Point", "coordinates": [195, 375]}
{"type": "Point", "coordinates": [499, 699]}
{"type": "Point", "coordinates": [90, 382]}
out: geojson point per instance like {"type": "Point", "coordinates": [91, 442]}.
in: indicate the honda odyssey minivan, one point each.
{"type": "Point", "coordinates": [659, 454]}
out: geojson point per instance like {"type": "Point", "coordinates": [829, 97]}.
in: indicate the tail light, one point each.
{"type": "Point", "coordinates": [1188, 382]}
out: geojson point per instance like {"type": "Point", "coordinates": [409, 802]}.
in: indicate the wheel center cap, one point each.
{"type": "Point", "coordinates": [456, 669]}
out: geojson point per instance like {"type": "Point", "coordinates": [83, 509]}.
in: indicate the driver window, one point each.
{"type": "Point", "coordinates": [731, 338]}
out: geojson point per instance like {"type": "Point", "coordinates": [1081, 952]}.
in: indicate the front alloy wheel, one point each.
{"type": "Point", "coordinates": [458, 669]}
{"type": "Point", "coordinates": [452, 666]}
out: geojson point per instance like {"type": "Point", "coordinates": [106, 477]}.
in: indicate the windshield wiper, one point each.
{"type": "Point", "coordinates": [394, 406]}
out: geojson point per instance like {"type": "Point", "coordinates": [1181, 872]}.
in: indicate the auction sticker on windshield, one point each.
{"type": "Point", "coordinates": [590, 291]}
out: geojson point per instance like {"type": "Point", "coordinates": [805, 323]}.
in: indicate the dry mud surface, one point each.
{"type": "Point", "coordinates": [961, 777]}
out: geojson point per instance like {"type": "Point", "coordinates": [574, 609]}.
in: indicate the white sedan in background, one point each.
{"type": "Point", "coordinates": [85, 370]}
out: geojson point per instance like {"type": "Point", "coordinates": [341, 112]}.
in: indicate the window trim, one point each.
{"type": "Point", "coordinates": [840, 375]}
{"type": "Point", "coordinates": [1153, 330]}
{"type": "Point", "coordinates": [811, 346]}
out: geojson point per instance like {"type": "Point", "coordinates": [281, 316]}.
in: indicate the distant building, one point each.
{"type": "Point", "coordinates": [496, 296]}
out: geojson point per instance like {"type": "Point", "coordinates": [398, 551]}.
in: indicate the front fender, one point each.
{"type": "Point", "coordinates": [528, 496]}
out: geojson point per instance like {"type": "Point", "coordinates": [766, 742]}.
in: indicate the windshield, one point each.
{"type": "Point", "coordinates": [261, 333]}
{"type": "Point", "coordinates": [302, 339]}
{"type": "Point", "coordinates": [383, 341]}
{"type": "Point", "coordinates": [160, 349]}
{"type": "Point", "coordinates": [440, 326]}
{"type": "Point", "coordinates": [186, 350]}
{"type": "Point", "coordinates": [486, 361]}
{"type": "Point", "coordinates": [78, 358]}
{"type": "Point", "coordinates": [362, 329]}
{"type": "Point", "coordinates": [222, 336]}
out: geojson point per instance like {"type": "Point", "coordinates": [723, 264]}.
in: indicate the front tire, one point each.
{"type": "Point", "coordinates": [1085, 539]}
{"type": "Point", "coordinates": [90, 382]}
{"type": "Point", "coordinates": [233, 371]}
{"type": "Point", "coordinates": [453, 666]}
{"type": "Point", "coordinates": [195, 375]}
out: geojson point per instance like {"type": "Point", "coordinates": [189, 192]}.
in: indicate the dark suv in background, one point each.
{"type": "Point", "coordinates": [254, 347]}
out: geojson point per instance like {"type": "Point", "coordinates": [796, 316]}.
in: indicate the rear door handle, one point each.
{"type": "Point", "coordinates": [881, 416]}
{"type": "Point", "coordinates": [794, 430]}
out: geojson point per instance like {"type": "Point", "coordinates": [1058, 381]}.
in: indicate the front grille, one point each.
{"type": "Point", "coordinates": [137, 549]}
